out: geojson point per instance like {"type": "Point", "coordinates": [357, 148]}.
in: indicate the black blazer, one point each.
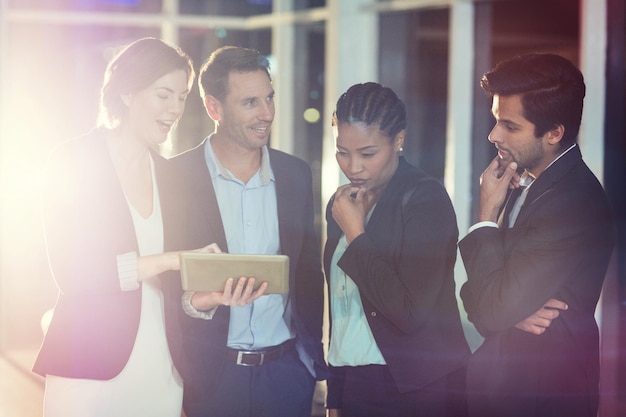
{"type": "Point", "coordinates": [559, 248]}
{"type": "Point", "coordinates": [87, 223]}
{"type": "Point", "coordinates": [202, 353]}
{"type": "Point", "coordinates": [404, 267]}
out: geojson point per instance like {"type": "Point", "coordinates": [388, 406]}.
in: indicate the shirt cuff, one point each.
{"type": "Point", "coordinates": [127, 270]}
{"type": "Point", "coordinates": [191, 311]}
{"type": "Point", "coordinates": [482, 224]}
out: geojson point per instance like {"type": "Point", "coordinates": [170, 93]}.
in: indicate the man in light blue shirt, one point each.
{"type": "Point", "coordinates": [250, 220]}
{"type": "Point", "coordinates": [245, 353]}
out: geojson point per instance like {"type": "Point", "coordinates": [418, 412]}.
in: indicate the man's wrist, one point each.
{"type": "Point", "coordinates": [192, 311]}
{"type": "Point", "coordinates": [488, 214]}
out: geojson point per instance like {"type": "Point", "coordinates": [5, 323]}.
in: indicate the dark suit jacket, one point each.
{"type": "Point", "coordinates": [404, 267]}
{"type": "Point", "coordinates": [559, 248]}
{"type": "Point", "coordinates": [87, 224]}
{"type": "Point", "coordinates": [204, 341]}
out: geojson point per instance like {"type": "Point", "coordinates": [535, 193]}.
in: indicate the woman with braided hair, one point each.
{"type": "Point", "coordinates": [397, 347]}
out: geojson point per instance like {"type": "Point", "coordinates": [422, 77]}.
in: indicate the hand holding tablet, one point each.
{"type": "Point", "coordinates": [208, 272]}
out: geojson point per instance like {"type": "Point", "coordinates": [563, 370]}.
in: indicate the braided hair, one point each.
{"type": "Point", "coordinates": [374, 105]}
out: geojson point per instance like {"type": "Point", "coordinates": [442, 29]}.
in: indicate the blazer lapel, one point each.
{"type": "Point", "coordinates": [285, 208]}
{"type": "Point", "coordinates": [202, 190]}
{"type": "Point", "coordinates": [544, 184]}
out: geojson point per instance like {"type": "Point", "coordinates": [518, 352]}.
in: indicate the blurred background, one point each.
{"type": "Point", "coordinates": [431, 52]}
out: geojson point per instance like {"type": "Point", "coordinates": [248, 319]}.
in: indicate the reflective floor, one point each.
{"type": "Point", "coordinates": [21, 394]}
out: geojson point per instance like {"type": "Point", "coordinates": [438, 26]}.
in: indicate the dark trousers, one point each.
{"type": "Point", "coordinates": [281, 388]}
{"type": "Point", "coordinates": [369, 391]}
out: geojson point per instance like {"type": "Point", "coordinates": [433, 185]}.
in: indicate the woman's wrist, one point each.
{"type": "Point", "coordinates": [173, 261]}
{"type": "Point", "coordinates": [351, 235]}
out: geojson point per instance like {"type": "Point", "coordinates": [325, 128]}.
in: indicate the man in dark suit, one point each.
{"type": "Point", "coordinates": [245, 353]}
{"type": "Point", "coordinates": [535, 269]}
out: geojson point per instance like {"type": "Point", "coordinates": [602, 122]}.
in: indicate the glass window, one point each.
{"type": "Point", "coordinates": [414, 63]}
{"type": "Point", "coordinates": [139, 6]}
{"type": "Point", "coordinates": [226, 8]}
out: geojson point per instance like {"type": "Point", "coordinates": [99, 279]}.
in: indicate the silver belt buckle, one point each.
{"type": "Point", "coordinates": [243, 352]}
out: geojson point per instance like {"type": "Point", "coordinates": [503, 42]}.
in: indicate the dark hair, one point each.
{"type": "Point", "coordinates": [213, 77]}
{"type": "Point", "coordinates": [372, 104]}
{"type": "Point", "coordinates": [552, 90]}
{"type": "Point", "coordinates": [134, 68]}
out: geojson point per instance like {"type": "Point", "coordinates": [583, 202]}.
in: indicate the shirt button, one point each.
{"type": "Point", "coordinates": [373, 314]}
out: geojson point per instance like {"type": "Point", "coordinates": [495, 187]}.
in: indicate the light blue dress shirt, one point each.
{"type": "Point", "coordinates": [250, 218]}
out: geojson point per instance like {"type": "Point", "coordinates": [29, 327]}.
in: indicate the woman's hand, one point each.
{"type": "Point", "coordinates": [153, 265]}
{"type": "Point", "coordinates": [212, 248]}
{"type": "Point", "coordinates": [350, 207]}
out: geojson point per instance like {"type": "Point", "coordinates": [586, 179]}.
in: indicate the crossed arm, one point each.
{"type": "Point", "coordinates": [494, 183]}
{"type": "Point", "coordinates": [539, 321]}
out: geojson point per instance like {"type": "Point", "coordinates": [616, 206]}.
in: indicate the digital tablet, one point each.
{"type": "Point", "coordinates": [201, 271]}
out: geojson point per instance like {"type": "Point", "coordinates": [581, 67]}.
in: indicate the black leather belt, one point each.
{"type": "Point", "coordinates": [261, 356]}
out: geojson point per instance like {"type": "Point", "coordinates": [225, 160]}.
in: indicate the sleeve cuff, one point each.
{"type": "Point", "coordinates": [191, 311]}
{"type": "Point", "coordinates": [127, 270]}
{"type": "Point", "coordinates": [482, 224]}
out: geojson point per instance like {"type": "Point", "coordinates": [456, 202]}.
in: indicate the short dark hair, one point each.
{"type": "Point", "coordinates": [374, 105]}
{"type": "Point", "coordinates": [552, 90]}
{"type": "Point", "coordinates": [214, 73]}
{"type": "Point", "coordinates": [134, 68]}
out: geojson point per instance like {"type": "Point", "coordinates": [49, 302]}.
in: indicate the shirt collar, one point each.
{"type": "Point", "coordinates": [217, 169]}
{"type": "Point", "coordinates": [526, 179]}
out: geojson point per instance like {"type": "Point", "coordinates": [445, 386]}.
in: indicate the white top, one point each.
{"type": "Point", "coordinates": [149, 384]}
